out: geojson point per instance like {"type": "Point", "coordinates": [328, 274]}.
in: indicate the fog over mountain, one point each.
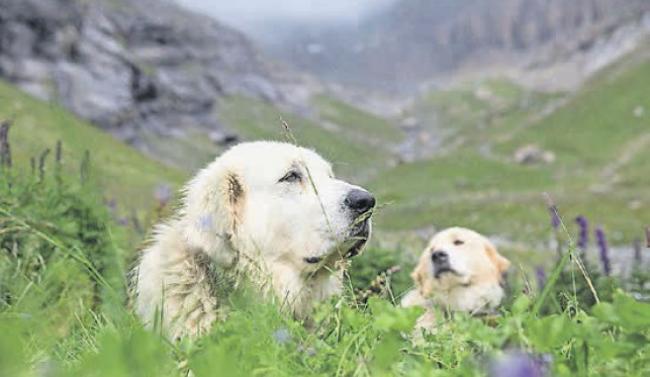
{"type": "Point", "coordinates": [270, 21]}
{"type": "Point", "coordinates": [399, 45]}
{"type": "Point", "coordinates": [314, 10]}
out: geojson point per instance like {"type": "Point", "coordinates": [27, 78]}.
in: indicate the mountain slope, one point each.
{"type": "Point", "coordinates": [600, 142]}
{"type": "Point", "coordinates": [358, 144]}
{"type": "Point", "coordinates": [124, 173]}
{"type": "Point", "coordinates": [134, 68]}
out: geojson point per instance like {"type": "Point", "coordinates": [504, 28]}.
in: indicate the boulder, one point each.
{"type": "Point", "coordinates": [133, 67]}
{"type": "Point", "coordinates": [532, 154]}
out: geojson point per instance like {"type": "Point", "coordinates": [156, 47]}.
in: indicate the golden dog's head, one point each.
{"type": "Point", "coordinates": [461, 270]}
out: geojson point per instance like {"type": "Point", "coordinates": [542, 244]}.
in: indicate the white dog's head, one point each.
{"type": "Point", "coordinates": [461, 270]}
{"type": "Point", "coordinates": [277, 202]}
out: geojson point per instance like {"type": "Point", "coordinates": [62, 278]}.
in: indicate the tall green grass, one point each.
{"type": "Point", "coordinates": [64, 312]}
{"type": "Point", "coordinates": [124, 172]}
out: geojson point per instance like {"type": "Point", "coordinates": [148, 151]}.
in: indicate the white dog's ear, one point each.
{"type": "Point", "coordinates": [502, 264]}
{"type": "Point", "coordinates": [213, 207]}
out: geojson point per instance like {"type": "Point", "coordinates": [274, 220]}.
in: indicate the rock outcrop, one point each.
{"type": "Point", "coordinates": [131, 66]}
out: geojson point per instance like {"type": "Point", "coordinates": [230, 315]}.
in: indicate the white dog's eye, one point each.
{"type": "Point", "coordinates": [459, 242]}
{"type": "Point", "coordinates": [291, 176]}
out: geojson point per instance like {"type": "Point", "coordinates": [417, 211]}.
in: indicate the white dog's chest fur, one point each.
{"type": "Point", "coordinates": [300, 292]}
{"type": "Point", "coordinates": [180, 289]}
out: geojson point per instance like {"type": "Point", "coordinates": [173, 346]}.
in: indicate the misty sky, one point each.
{"type": "Point", "coordinates": [245, 12]}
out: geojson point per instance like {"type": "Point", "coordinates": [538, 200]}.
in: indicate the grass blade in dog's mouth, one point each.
{"type": "Point", "coordinates": [359, 234]}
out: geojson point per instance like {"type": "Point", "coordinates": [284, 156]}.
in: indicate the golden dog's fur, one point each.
{"type": "Point", "coordinates": [471, 284]}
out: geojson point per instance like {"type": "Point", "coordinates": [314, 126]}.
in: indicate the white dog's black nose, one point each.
{"type": "Point", "coordinates": [440, 257]}
{"type": "Point", "coordinates": [359, 200]}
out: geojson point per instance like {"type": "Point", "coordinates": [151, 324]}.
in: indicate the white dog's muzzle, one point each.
{"type": "Point", "coordinates": [359, 204]}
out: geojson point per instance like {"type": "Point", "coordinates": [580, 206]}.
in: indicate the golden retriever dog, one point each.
{"type": "Point", "coordinates": [272, 213]}
{"type": "Point", "coordinates": [460, 270]}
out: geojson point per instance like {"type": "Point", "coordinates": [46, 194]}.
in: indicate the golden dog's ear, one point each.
{"type": "Point", "coordinates": [419, 276]}
{"type": "Point", "coordinates": [502, 264]}
{"type": "Point", "coordinates": [213, 206]}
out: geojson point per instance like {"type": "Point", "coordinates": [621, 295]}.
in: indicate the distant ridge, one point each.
{"type": "Point", "coordinates": [416, 40]}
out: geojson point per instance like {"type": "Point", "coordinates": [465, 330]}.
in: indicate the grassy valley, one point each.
{"type": "Point", "coordinates": [598, 137]}
{"type": "Point", "coordinates": [64, 258]}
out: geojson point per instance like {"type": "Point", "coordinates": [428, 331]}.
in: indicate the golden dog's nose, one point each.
{"type": "Point", "coordinates": [440, 257]}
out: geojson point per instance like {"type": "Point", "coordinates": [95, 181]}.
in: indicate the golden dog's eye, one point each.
{"type": "Point", "coordinates": [459, 242]}
{"type": "Point", "coordinates": [291, 176]}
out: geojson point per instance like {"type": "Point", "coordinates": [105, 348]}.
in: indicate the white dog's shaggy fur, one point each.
{"type": "Point", "coordinates": [460, 270]}
{"type": "Point", "coordinates": [271, 212]}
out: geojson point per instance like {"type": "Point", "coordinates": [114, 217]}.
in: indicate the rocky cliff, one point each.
{"type": "Point", "coordinates": [415, 40]}
{"type": "Point", "coordinates": [132, 67]}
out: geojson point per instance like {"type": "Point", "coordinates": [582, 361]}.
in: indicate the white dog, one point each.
{"type": "Point", "coordinates": [271, 212]}
{"type": "Point", "coordinates": [460, 270]}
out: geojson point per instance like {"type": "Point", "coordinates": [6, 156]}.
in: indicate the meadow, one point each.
{"type": "Point", "coordinates": [74, 213]}
{"type": "Point", "coordinates": [64, 311]}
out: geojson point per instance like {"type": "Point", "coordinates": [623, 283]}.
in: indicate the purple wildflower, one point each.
{"type": "Point", "coordinates": [604, 250]}
{"type": "Point", "coordinates": [583, 236]}
{"type": "Point", "coordinates": [163, 194]}
{"type": "Point", "coordinates": [540, 274]}
{"type": "Point", "coordinates": [637, 251]}
{"type": "Point", "coordinates": [552, 210]}
{"type": "Point", "coordinates": [519, 364]}
{"type": "Point", "coordinates": [555, 218]}
{"type": "Point", "coordinates": [282, 335]}
{"type": "Point", "coordinates": [308, 350]}
{"type": "Point", "coordinates": [112, 205]}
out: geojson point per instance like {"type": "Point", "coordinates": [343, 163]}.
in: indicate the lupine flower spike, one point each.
{"type": "Point", "coordinates": [583, 236]}
{"type": "Point", "coordinates": [555, 221]}
{"type": "Point", "coordinates": [163, 194]}
{"type": "Point", "coordinates": [5, 148]}
{"type": "Point", "coordinates": [604, 250]}
{"type": "Point", "coordinates": [637, 251]}
{"type": "Point", "coordinates": [540, 274]}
